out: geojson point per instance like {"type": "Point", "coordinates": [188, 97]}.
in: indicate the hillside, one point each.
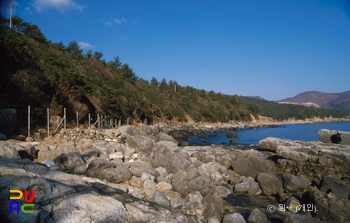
{"type": "Point", "coordinates": [338, 101]}
{"type": "Point", "coordinates": [287, 111]}
{"type": "Point", "coordinates": [43, 74]}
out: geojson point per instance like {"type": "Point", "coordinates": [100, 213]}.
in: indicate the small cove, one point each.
{"type": "Point", "coordinates": [304, 132]}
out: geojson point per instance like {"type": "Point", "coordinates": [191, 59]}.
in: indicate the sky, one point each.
{"type": "Point", "coordinates": [273, 48]}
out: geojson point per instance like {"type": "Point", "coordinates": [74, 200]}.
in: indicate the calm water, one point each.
{"type": "Point", "coordinates": [306, 132]}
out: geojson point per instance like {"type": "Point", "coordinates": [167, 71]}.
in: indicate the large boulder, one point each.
{"type": "Point", "coordinates": [269, 183]}
{"type": "Point", "coordinates": [251, 166]}
{"type": "Point", "coordinates": [334, 136]}
{"type": "Point", "coordinates": [166, 154]}
{"type": "Point", "coordinates": [138, 168]}
{"type": "Point", "coordinates": [140, 143]}
{"type": "Point", "coordinates": [103, 169]}
{"type": "Point", "coordinates": [233, 217]}
{"type": "Point", "coordinates": [296, 218]}
{"type": "Point", "coordinates": [248, 186]}
{"type": "Point", "coordinates": [338, 187]}
{"type": "Point", "coordinates": [200, 184]}
{"type": "Point", "coordinates": [8, 150]}
{"type": "Point", "coordinates": [212, 212]}
{"type": "Point", "coordinates": [80, 209]}
{"type": "Point", "coordinates": [293, 183]}
{"type": "Point", "coordinates": [257, 216]}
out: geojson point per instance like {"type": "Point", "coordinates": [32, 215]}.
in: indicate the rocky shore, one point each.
{"type": "Point", "coordinates": [148, 174]}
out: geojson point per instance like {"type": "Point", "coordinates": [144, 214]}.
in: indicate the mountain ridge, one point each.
{"type": "Point", "coordinates": [337, 101]}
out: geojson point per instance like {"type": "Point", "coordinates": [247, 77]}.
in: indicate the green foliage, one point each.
{"type": "Point", "coordinates": [43, 74]}
{"type": "Point", "coordinates": [73, 50]}
{"type": "Point", "coordinates": [285, 111]}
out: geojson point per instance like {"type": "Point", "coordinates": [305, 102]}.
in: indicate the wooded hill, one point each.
{"type": "Point", "coordinates": [37, 72]}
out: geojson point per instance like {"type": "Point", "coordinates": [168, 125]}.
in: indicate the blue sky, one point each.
{"type": "Point", "coordinates": [269, 48]}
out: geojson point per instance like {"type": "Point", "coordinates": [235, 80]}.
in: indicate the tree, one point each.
{"type": "Point", "coordinates": [88, 54]}
{"type": "Point", "coordinates": [97, 55]}
{"type": "Point", "coordinates": [74, 50]}
{"type": "Point", "coordinates": [154, 82]}
{"type": "Point", "coordinates": [115, 64]}
{"type": "Point", "coordinates": [163, 85]}
{"type": "Point", "coordinates": [127, 72]}
{"type": "Point", "coordinates": [34, 32]}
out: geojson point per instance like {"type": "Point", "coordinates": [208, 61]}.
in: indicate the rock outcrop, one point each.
{"type": "Point", "coordinates": [143, 175]}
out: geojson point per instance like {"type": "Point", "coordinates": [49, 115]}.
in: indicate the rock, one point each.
{"type": "Point", "coordinates": [29, 139]}
{"type": "Point", "coordinates": [160, 198]}
{"type": "Point", "coordinates": [269, 183]}
{"type": "Point", "coordinates": [251, 166]}
{"type": "Point", "coordinates": [106, 209]}
{"type": "Point", "coordinates": [8, 150]}
{"type": "Point", "coordinates": [179, 203]}
{"type": "Point", "coordinates": [28, 152]}
{"type": "Point", "coordinates": [257, 216]}
{"type": "Point", "coordinates": [181, 136]}
{"type": "Point", "coordinates": [66, 147]}
{"type": "Point", "coordinates": [296, 218]}
{"type": "Point", "coordinates": [211, 168]}
{"type": "Point", "coordinates": [248, 186]}
{"type": "Point", "coordinates": [140, 143]}
{"type": "Point", "coordinates": [103, 169]}
{"type": "Point", "coordinates": [138, 168]}
{"type": "Point", "coordinates": [49, 163]}
{"type": "Point", "coordinates": [194, 196]}
{"type": "Point", "coordinates": [200, 184]}
{"type": "Point", "coordinates": [215, 200]}
{"type": "Point", "coordinates": [222, 191]}
{"type": "Point", "coordinates": [233, 217]}
{"type": "Point", "coordinates": [148, 185]}
{"type": "Point", "coordinates": [293, 204]}
{"type": "Point", "coordinates": [232, 142]}
{"type": "Point", "coordinates": [179, 183]}
{"type": "Point", "coordinates": [165, 154]}
{"type": "Point", "coordinates": [192, 172]}
{"type": "Point", "coordinates": [116, 155]}
{"type": "Point", "coordinates": [143, 212]}
{"type": "Point", "coordinates": [231, 134]}
{"type": "Point", "coordinates": [163, 186]}
{"type": "Point", "coordinates": [47, 155]}
{"type": "Point", "coordinates": [309, 158]}
{"type": "Point", "coordinates": [135, 181]}
{"type": "Point", "coordinates": [338, 187]}
{"type": "Point", "coordinates": [212, 211]}
{"type": "Point", "coordinates": [326, 136]}
{"type": "Point", "coordinates": [327, 208]}
{"type": "Point", "coordinates": [72, 159]}
{"type": "Point", "coordinates": [165, 137]}
{"type": "Point", "coordinates": [162, 171]}
{"type": "Point", "coordinates": [293, 183]}
{"type": "Point", "coordinates": [80, 169]}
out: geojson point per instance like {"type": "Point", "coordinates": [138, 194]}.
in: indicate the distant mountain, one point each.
{"type": "Point", "coordinates": [338, 101]}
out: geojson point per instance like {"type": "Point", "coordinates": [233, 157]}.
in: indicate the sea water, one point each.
{"type": "Point", "coordinates": [300, 131]}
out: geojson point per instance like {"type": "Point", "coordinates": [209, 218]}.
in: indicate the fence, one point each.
{"type": "Point", "coordinates": [94, 121]}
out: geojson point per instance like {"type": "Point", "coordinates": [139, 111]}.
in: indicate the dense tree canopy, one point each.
{"type": "Point", "coordinates": [42, 74]}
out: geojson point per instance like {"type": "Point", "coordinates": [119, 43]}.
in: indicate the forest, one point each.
{"type": "Point", "coordinates": [43, 74]}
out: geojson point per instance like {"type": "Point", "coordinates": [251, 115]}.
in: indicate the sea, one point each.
{"type": "Point", "coordinates": [299, 131]}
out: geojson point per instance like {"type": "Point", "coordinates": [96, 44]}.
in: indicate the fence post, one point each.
{"type": "Point", "coordinates": [77, 119]}
{"type": "Point", "coordinates": [48, 122]}
{"type": "Point", "coordinates": [65, 118]}
{"type": "Point", "coordinates": [89, 120]}
{"type": "Point", "coordinates": [98, 122]}
{"type": "Point", "coordinates": [28, 120]}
